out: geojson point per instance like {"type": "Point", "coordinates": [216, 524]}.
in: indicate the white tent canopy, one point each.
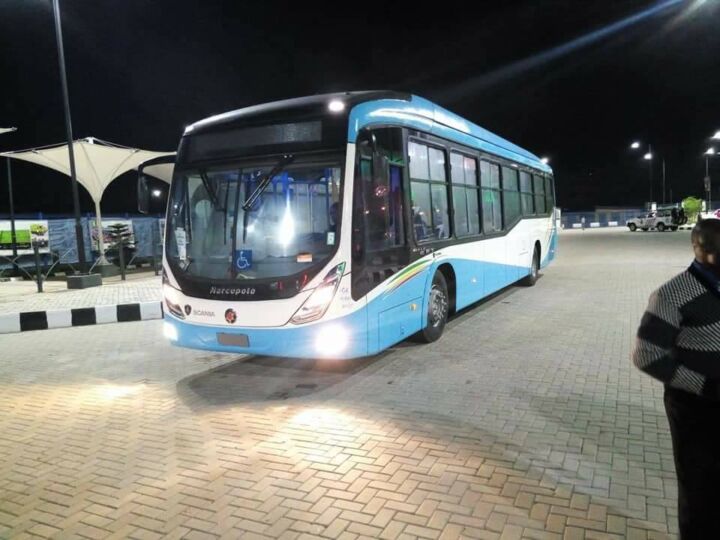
{"type": "Point", "coordinates": [97, 164]}
{"type": "Point", "coordinates": [160, 168]}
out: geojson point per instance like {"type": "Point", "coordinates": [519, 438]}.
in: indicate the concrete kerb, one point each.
{"type": "Point", "coordinates": [63, 318]}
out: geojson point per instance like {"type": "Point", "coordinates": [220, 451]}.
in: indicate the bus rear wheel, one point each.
{"type": "Point", "coordinates": [532, 277]}
{"type": "Point", "coordinates": [438, 303]}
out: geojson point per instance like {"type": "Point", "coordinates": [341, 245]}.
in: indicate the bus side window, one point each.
{"type": "Point", "coordinates": [428, 192]}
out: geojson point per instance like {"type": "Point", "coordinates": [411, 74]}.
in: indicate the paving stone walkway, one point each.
{"type": "Point", "coordinates": [526, 420]}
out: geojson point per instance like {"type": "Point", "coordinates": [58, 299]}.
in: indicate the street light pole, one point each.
{"type": "Point", "coordinates": [13, 237]}
{"type": "Point", "coordinates": [708, 181]}
{"type": "Point", "coordinates": [68, 129]}
{"type": "Point", "coordinates": [663, 180]}
{"type": "Point", "coordinates": [649, 157]}
{"type": "Point", "coordinates": [650, 169]}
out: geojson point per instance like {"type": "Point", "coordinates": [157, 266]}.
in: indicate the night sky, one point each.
{"type": "Point", "coordinates": [140, 70]}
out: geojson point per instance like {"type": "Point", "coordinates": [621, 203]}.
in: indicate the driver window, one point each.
{"type": "Point", "coordinates": [382, 191]}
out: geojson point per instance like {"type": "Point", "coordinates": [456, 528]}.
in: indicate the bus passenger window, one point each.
{"type": "Point", "coordinates": [465, 194]}
{"type": "Point", "coordinates": [511, 196]}
{"type": "Point", "coordinates": [539, 189]}
{"type": "Point", "coordinates": [428, 191]}
{"type": "Point", "coordinates": [491, 209]}
{"type": "Point", "coordinates": [526, 195]}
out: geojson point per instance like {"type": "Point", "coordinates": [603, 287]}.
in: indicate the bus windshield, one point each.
{"type": "Point", "coordinates": [254, 222]}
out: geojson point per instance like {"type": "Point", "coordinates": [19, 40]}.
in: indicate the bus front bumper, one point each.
{"type": "Point", "coordinates": [345, 337]}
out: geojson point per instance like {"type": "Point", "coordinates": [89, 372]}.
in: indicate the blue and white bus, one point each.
{"type": "Point", "coordinates": [339, 225]}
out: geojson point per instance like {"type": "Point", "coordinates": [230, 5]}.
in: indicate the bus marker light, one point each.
{"type": "Point", "coordinates": [336, 106]}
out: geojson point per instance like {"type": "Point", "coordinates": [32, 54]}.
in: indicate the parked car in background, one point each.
{"type": "Point", "coordinates": [662, 220]}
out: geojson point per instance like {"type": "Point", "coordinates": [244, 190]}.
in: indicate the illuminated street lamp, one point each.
{"type": "Point", "coordinates": [649, 157]}
{"type": "Point", "coordinates": [716, 137]}
{"type": "Point", "coordinates": [545, 160]}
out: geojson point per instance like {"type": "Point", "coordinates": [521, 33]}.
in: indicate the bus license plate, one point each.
{"type": "Point", "coordinates": [236, 340]}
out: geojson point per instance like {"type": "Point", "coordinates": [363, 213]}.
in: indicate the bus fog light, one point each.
{"type": "Point", "coordinates": [331, 340]}
{"type": "Point", "coordinates": [169, 331]}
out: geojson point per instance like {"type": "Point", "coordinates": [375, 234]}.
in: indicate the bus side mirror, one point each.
{"type": "Point", "coordinates": [143, 194]}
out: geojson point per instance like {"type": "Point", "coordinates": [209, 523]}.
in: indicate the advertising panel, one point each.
{"type": "Point", "coordinates": [27, 232]}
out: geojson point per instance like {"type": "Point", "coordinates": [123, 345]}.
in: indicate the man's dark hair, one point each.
{"type": "Point", "coordinates": [706, 234]}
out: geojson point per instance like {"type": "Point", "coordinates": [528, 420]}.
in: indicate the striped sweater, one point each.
{"type": "Point", "coordinates": [678, 341]}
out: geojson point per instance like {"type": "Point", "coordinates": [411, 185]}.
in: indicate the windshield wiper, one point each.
{"type": "Point", "coordinates": [266, 179]}
{"type": "Point", "coordinates": [211, 192]}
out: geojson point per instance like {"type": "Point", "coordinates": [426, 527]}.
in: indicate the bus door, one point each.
{"type": "Point", "coordinates": [380, 248]}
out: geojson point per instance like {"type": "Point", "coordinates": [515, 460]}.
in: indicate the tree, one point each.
{"type": "Point", "coordinates": [692, 207]}
{"type": "Point", "coordinates": [121, 240]}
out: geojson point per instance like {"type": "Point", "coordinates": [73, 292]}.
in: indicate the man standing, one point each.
{"type": "Point", "coordinates": [678, 343]}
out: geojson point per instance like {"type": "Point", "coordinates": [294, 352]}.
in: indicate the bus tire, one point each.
{"type": "Point", "coordinates": [532, 277]}
{"type": "Point", "coordinates": [661, 227]}
{"type": "Point", "coordinates": [438, 303]}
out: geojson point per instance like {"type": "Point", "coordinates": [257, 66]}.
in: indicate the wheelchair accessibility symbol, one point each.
{"type": "Point", "coordinates": [243, 259]}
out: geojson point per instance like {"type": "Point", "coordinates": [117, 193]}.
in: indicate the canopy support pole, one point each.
{"type": "Point", "coordinates": [100, 236]}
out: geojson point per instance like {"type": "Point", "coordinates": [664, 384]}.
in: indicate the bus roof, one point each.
{"type": "Point", "coordinates": [421, 114]}
{"type": "Point", "coordinates": [381, 107]}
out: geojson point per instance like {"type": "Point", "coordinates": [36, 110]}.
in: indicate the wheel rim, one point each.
{"type": "Point", "coordinates": [438, 306]}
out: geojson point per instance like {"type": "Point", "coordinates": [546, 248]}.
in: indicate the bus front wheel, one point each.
{"type": "Point", "coordinates": [438, 303]}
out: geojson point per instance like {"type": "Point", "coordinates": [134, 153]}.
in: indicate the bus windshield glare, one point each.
{"type": "Point", "coordinates": [254, 222]}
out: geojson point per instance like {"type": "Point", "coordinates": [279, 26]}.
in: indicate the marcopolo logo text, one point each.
{"type": "Point", "coordinates": [233, 291]}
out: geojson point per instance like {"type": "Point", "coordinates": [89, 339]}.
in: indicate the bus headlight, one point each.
{"type": "Point", "coordinates": [169, 331]}
{"type": "Point", "coordinates": [173, 307]}
{"type": "Point", "coordinates": [317, 303]}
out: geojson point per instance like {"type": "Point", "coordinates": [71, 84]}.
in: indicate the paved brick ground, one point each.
{"type": "Point", "coordinates": [525, 421]}
{"type": "Point", "coordinates": [19, 296]}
